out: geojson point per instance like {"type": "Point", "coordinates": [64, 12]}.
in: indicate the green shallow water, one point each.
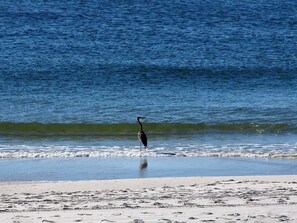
{"type": "Point", "coordinates": [41, 129]}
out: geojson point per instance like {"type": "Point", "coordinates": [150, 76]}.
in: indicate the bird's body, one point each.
{"type": "Point", "coordinates": [141, 135]}
{"type": "Point", "coordinates": [142, 138]}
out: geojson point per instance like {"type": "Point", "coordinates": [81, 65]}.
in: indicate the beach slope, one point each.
{"type": "Point", "coordinates": [190, 199]}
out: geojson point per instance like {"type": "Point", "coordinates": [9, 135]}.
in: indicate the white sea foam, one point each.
{"type": "Point", "coordinates": [230, 150]}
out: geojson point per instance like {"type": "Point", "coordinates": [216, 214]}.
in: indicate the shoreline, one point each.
{"type": "Point", "coordinates": [133, 183]}
{"type": "Point", "coordinates": [191, 199]}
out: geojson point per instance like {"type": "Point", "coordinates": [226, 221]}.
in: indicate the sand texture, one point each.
{"type": "Point", "coordinates": [192, 199]}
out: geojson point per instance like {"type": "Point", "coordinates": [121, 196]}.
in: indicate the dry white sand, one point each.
{"type": "Point", "coordinates": [191, 199]}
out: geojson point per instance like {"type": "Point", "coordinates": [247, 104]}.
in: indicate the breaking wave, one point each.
{"type": "Point", "coordinates": [66, 151]}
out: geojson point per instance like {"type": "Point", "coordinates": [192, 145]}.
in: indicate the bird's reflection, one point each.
{"type": "Point", "coordinates": [143, 163]}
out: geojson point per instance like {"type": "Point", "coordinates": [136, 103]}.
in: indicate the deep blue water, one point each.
{"type": "Point", "coordinates": [226, 68]}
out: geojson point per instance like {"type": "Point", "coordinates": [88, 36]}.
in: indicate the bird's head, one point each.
{"type": "Point", "coordinates": [140, 117]}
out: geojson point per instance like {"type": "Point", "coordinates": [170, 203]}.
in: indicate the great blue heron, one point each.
{"type": "Point", "coordinates": [141, 135]}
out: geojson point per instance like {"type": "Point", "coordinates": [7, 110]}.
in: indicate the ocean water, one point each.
{"type": "Point", "coordinates": [212, 78]}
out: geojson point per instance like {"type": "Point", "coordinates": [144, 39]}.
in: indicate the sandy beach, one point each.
{"type": "Point", "coordinates": [185, 199]}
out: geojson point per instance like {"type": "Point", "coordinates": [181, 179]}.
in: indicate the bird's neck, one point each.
{"type": "Point", "coordinates": [140, 124]}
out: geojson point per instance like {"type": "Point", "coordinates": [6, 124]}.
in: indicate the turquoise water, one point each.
{"type": "Point", "coordinates": [213, 79]}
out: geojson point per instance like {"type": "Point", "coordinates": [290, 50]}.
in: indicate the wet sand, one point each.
{"type": "Point", "coordinates": [77, 169]}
